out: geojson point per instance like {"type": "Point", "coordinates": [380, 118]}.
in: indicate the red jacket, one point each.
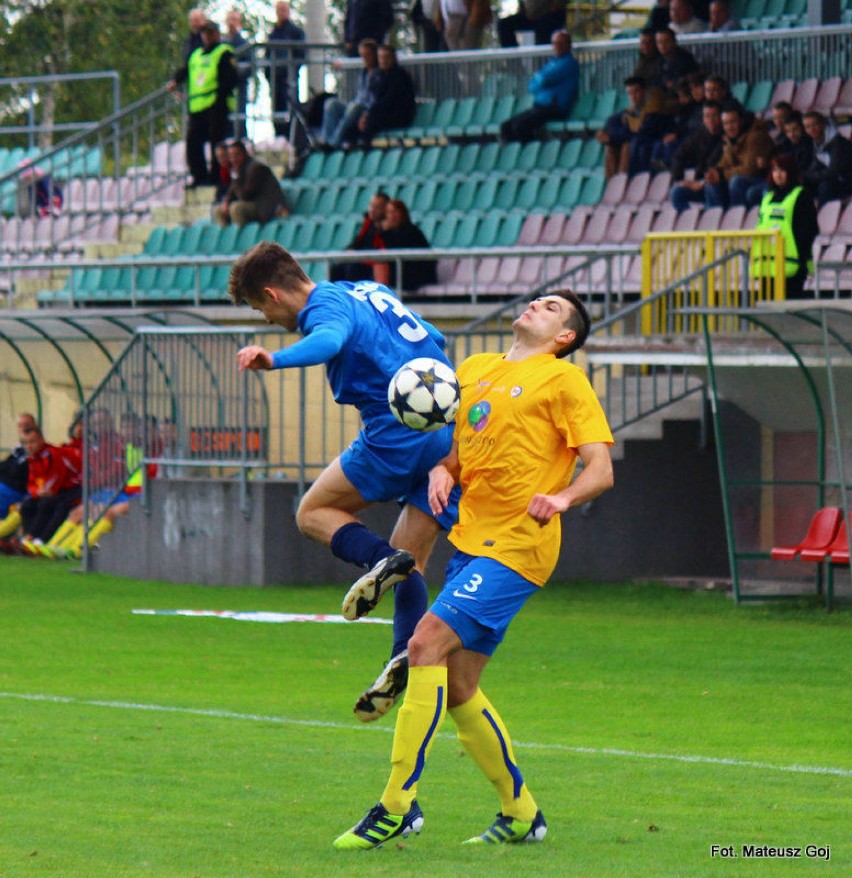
{"type": "Point", "coordinates": [49, 473]}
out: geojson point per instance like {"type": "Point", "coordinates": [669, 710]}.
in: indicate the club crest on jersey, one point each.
{"type": "Point", "coordinates": [477, 417]}
{"type": "Point", "coordinates": [517, 390]}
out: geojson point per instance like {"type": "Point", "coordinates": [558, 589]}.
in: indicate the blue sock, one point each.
{"type": "Point", "coordinates": [410, 601]}
{"type": "Point", "coordinates": [357, 544]}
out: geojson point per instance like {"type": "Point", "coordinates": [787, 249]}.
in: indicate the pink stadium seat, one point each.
{"type": "Point", "coordinates": [619, 225]}
{"type": "Point", "coordinates": [665, 220]}
{"type": "Point", "coordinates": [827, 279]}
{"type": "Point", "coordinates": [711, 220]}
{"type": "Point", "coordinates": [783, 91]}
{"type": "Point", "coordinates": [751, 217]}
{"type": "Point", "coordinates": [820, 534]}
{"type": "Point", "coordinates": [551, 231]}
{"type": "Point", "coordinates": [843, 231]}
{"type": "Point", "coordinates": [658, 189]}
{"type": "Point", "coordinates": [843, 104]}
{"type": "Point", "coordinates": [637, 188]}
{"type": "Point", "coordinates": [805, 94]}
{"type": "Point", "coordinates": [733, 219]}
{"type": "Point", "coordinates": [616, 186]}
{"type": "Point", "coordinates": [828, 217]}
{"type": "Point", "coordinates": [595, 231]}
{"type": "Point", "coordinates": [688, 220]}
{"type": "Point", "coordinates": [529, 271]}
{"type": "Point", "coordinates": [531, 230]}
{"type": "Point", "coordinates": [632, 282]}
{"type": "Point", "coordinates": [827, 96]}
{"type": "Point", "coordinates": [572, 231]}
{"type": "Point", "coordinates": [640, 225]}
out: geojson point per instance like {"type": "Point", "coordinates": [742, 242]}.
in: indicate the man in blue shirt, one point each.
{"type": "Point", "coordinates": [363, 334]}
{"type": "Point", "coordinates": [284, 63]}
{"type": "Point", "coordinates": [554, 90]}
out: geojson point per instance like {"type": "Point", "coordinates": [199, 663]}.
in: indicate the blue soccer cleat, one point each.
{"type": "Point", "coordinates": [378, 827]}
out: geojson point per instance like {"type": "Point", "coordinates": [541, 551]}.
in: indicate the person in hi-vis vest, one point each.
{"type": "Point", "coordinates": [211, 77]}
{"type": "Point", "coordinates": [788, 207]}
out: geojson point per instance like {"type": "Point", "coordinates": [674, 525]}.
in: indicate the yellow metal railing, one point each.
{"type": "Point", "coordinates": [675, 261]}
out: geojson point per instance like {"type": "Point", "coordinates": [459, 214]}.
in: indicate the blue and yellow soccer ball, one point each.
{"type": "Point", "coordinates": [424, 394]}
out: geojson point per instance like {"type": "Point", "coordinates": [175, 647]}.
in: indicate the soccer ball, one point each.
{"type": "Point", "coordinates": [424, 394]}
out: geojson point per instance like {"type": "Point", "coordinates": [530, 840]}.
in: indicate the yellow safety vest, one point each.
{"type": "Point", "coordinates": [133, 456]}
{"type": "Point", "coordinates": [776, 215]}
{"type": "Point", "coordinates": [203, 78]}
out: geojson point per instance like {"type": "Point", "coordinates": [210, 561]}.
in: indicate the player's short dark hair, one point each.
{"type": "Point", "coordinates": [267, 264]}
{"type": "Point", "coordinates": [579, 321]}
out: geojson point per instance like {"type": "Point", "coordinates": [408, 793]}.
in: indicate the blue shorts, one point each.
{"type": "Point", "coordinates": [8, 496]}
{"type": "Point", "coordinates": [400, 471]}
{"type": "Point", "coordinates": [480, 598]}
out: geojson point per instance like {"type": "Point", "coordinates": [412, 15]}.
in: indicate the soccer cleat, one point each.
{"type": "Point", "coordinates": [385, 691]}
{"type": "Point", "coordinates": [380, 826]}
{"type": "Point", "coordinates": [368, 590]}
{"type": "Point", "coordinates": [509, 830]}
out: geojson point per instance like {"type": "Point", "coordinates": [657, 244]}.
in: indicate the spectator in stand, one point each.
{"type": "Point", "coordinates": [38, 195]}
{"type": "Point", "coordinates": [648, 64]}
{"type": "Point", "coordinates": [797, 143]}
{"type": "Point", "coordinates": [554, 90]}
{"type": "Point", "coordinates": [721, 21]}
{"type": "Point", "coordinates": [244, 54]}
{"type": "Point", "coordinates": [747, 149]}
{"type": "Point", "coordinates": [542, 17]}
{"type": "Point", "coordinates": [716, 89]}
{"type": "Point", "coordinates": [781, 112]}
{"type": "Point", "coordinates": [13, 478]}
{"type": "Point", "coordinates": [366, 20]}
{"type": "Point", "coordinates": [683, 20]}
{"type": "Point", "coordinates": [284, 63]}
{"type": "Point", "coordinates": [339, 118]}
{"type": "Point", "coordinates": [789, 207]}
{"type": "Point", "coordinates": [254, 195]}
{"type": "Point", "coordinates": [829, 174]}
{"type": "Point", "coordinates": [400, 233]}
{"type": "Point", "coordinates": [368, 237]}
{"type": "Point", "coordinates": [463, 22]}
{"type": "Point", "coordinates": [685, 118]}
{"type": "Point", "coordinates": [211, 77]}
{"type": "Point", "coordinates": [196, 19]}
{"type": "Point", "coordinates": [701, 150]}
{"type": "Point", "coordinates": [53, 486]}
{"type": "Point", "coordinates": [629, 136]}
{"type": "Point", "coordinates": [220, 150]}
{"type": "Point", "coordinates": [658, 17]}
{"type": "Point", "coordinates": [392, 104]}
{"type": "Point", "coordinates": [429, 38]}
{"type": "Point", "coordinates": [675, 62]}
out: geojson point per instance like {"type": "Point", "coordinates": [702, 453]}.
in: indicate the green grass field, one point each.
{"type": "Point", "coordinates": [649, 723]}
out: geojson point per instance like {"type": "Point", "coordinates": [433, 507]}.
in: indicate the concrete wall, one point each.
{"type": "Point", "coordinates": [664, 518]}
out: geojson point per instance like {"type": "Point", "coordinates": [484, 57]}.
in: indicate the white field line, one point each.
{"type": "Point", "coordinates": [563, 748]}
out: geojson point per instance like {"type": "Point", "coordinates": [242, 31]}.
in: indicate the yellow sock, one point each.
{"type": "Point", "coordinates": [417, 723]}
{"type": "Point", "coordinates": [10, 523]}
{"type": "Point", "coordinates": [485, 738]}
{"type": "Point", "coordinates": [104, 526]}
{"type": "Point", "coordinates": [61, 533]}
{"type": "Point", "coordinates": [73, 539]}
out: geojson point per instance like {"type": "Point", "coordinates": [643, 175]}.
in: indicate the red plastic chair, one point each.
{"type": "Point", "coordinates": [838, 552]}
{"type": "Point", "coordinates": [821, 533]}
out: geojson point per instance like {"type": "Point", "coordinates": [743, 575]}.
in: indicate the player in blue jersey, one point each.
{"type": "Point", "coordinates": [363, 333]}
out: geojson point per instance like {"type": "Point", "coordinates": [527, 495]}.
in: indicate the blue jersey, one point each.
{"type": "Point", "coordinates": [381, 335]}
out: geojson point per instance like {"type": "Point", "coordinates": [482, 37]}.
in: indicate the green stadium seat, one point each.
{"type": "Point", "coordinates": [468, 159]}
{"type": "Point", "coordinates": [774, 9]}
{"type": "Point", "coordinates": [304, 199]}
{"type": "Point", "coordinates": [390, 159]}
{"type": "Point", "coordinates": [465, 195]}
{"type": "Point", "coordinates": [569, 154]}
{"type": "Point", "coordinates": [228, 240]}
{"type": "Point", "coordinates": [449, 158]}
{"type": "Point", "coordinates": [795, 8]}
{"type": "Point", "coordinates": [351, 166]}
{"type": "Point", "coordinates": [605, 106]}
{"type": "Point", "coordinates": [426, 193]}
{"type": "Point", "coordinates": [591, 155]}
{"type": "Point", "coordinates": [409, 162]}
{"type": "Point", "coordinates": [462, 117]}
{"type": "Point", "coordinates": [466, 231]}
{"type": "Point", "coordinates": [423, 115]}
{"type": "Point", "coordinates": [154, 244]}
{"type": "Point", "coordinates": [504, 107]}
{"type": "Point", "coordinates": [489, 155]}
{"type": "Point", "coordinates": [247, 237]}
{"type": "Point", "coordinates": [445, 194]}
{"type": "Point", "coordinates": [753, 9]}
{"type": "Point", "coordinates": [209, 240]}
{"type": "Point", "coordinates": [510, 229]}
{"type": "Point", "coordinates": [739, 90]}
{"type": "Point", "coordinates": [581, 112]}
{"type": "Point", "coordinates": [349, 199]}
{"type": "Point", "coordinates": [507, 194]}
{"type": "Point", "coordinates": [489, 229]}
{"type": "Point", "coordinates": [313, 167]}
{"type": "Point", "coordinates": [568, 192]}
{"type": "Point", "coordinates": [482, 115]}
{"type": "Point", "coordinates": [507, 161]}
{"type": "Point", "coordinates": [173, 242]}
{"type": "Point", "coordinates": [759, 95]}
{"type": "Point", "coordinates": [444, 235]}
{"type": "Point", "coordinates": [486, 192]}
{"type": "Point", "coordinates": [443, 117]}
{"type": "Point", "coordinates": [548, 155]}
{"type": "Point", "coordinates": [341, 235]}
{"type": "Point", "coordinates": [371, 163]}
{"type": "Point", "coordinates": [593, 188]}
{"type": "Point", "coordinates": [528, 192]}
{"type": "Point", "coordinates": [407, 192]}
{"type": "Point", "coordinates": [430, 161]}
{"type": "Point", "coordinates": [327, 201]}
{"type": "Point", "coordinates": [528, 157]}
{"type": "Point", "coordinates": [304, 234]}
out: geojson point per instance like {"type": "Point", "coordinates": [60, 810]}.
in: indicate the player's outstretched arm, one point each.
{"type": "Point", "coordinates": [442, 479]}
{"type": "Point", "coordinates": [254, 357]}
{"type": "Point", "coordinates": [595, 478]}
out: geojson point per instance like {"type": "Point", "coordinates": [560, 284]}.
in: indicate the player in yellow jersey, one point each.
{"type": "Point", "coordinates": [525, 419]}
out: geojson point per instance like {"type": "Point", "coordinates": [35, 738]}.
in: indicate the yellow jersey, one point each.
{"type": "Point", "coordinates": [518, 429]}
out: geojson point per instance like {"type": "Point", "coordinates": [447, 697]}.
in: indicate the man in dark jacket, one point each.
{"type": "Point", "coordinates": [701, 150]}
{"type": "Point", "coordinates": [366, 19]}
{"type": "Point", "coordinates": [830, 173]}
{"type": "Point", "coordinates": [197, 19]}
{"type": "Point", "coordinates": [393, 102]}
{"type": "Point", "coordinates": [368, 237]}
{"type": "Point", "coordinates": [284, 62]}
{"type": "Point", "coordinates": [675, 62]}
{"type": "Point", "coordinates": [13, 471]}
{"type": "Point", "coordinates": [254, 195]}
